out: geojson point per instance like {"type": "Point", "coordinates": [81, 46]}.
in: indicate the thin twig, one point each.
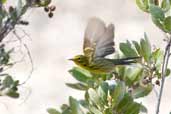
{"type": "Point", "coordinates": [164, 68]}
{"type": "Point", "coordinates": [27, 96]}
{"type": "Point", "coordinates": [30, 58]}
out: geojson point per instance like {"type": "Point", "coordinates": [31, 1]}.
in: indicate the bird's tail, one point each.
{"type": "Point", "coordinates": [126, 61]}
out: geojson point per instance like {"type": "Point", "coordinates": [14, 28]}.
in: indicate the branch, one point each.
{"type": "Point", "coordinates": [164, 68]}
{"type": "Point", "coordinates": [8, 27]}
{"type": "Point", "coordinates": [29, 55]}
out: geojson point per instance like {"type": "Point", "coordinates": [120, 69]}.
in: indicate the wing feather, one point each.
{"type": "Point", "coordinates": [98, 39]}
{"type": "Point", "coordinates": [94, 30]}
{"type": "Point", "coordinates": [105, 44]}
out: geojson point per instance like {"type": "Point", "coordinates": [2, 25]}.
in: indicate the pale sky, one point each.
{"type": "Point", "coordinates": [55, 40]}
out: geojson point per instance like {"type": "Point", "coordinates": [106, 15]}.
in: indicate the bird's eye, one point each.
{"type": "Point", "coordinates": [84, 65]}
{"type": "Point", "coordinates": [79, 58]}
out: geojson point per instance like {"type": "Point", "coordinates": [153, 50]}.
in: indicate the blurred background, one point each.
{"type": "Point", "coordinates": [53, 41]}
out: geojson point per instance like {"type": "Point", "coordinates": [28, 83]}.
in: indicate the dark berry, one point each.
{"type": "Point", "coordinates": [158, 82]}
{"type": "Point", "coordinates": [46, 9]}
{"type": "Point", "coordinates": [156, 2]}
{"type": "Point", "coordinates": [52, 8]}
{"type": "Point", "coordinates": [145, 81]}
{"type": "Point", "coordinates": [50, 15]}
{"type": "Point", "coordinates": [11, 9]}
{"type": "Point", "coordinates": [154, 68]}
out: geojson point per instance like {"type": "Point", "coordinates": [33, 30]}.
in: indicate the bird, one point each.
{"type": "Point", "coordinates": [98, 43]}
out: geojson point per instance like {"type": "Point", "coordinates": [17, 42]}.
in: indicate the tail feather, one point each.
{"type": "Point", "coordinates": [126, 61]}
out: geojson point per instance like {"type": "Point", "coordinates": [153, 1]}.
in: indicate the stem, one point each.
{"type": "Point", "coordinates": [10, 25]}
{"type": "Point", "coordinates": [164, 68]}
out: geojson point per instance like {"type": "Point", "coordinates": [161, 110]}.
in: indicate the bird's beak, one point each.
{"type": "Point", "coordinates": [71, 59]}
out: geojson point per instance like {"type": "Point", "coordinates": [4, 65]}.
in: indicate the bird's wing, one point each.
{"type": "Point", "coordinates": [98, 39]}
{"type": "Point", "coordinates": [105, 44]}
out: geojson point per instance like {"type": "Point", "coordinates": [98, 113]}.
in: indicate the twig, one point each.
{"type": "Point", "coordinates": [27, 96]}
{"type": "Point", "coordinates": [30, 58]}
{"type": "Point", "coordinates": [10, 25]}
{"type": "Point", "coordinates": [164, 68]}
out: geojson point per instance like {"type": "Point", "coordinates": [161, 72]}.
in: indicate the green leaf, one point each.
{"type": "Point", "coordinates": [151, 1]}
{"type": "Point", "coordinates": [167, 72]}
{"type": "Point", "coordinates": [157, 12]}
{"type": "Point", "coordinates": [165, 5]}
{"type": "Point", "coordinates": [94, 97]}
{"type": "Point", "coordinates": [7, 82]}
{"type": "Point", "coordinates": [53, 111]}
{"type": "Point", "coordinates": [143, 5]}
{"type": "Point", "coordinates": [133, 108]}
{"type": "Point", "coordinates": [67, 111]}
{"type": "Point", "coordinates": [124, 103]}
{"type": "Point", "coordinates": [103, 91]}
{"type": "Point", "coordinates": [127, 49]}
{"type": "Point", "coordinates": [12, 93]}
{"type": "Point", "coordinates": [146, 48]}
{"type": "Point", "coordinates": [118, 93]}
{"type": "Point", "coordinates": [64, 107]}
{"type": "Point", "coordinates": [167, 23]}
{"type": "Point", "coordinates": [128, 106]}
{"type": "Point", "coordinates": [80, 74]}
{"type": "Point", "coordinates": [95, 110]}
{"type": "Point", "coordinates": [142, 91]}
{"type": "Point", "coordinates": [120, 71]}
{"type": "Point", "coordinates": [78, 86]}
{"type": "Point", "coordinates": [21, 8]}
{"type": "Point", "coordinates": [75, 107]}
{"type": "Point", "coordinates": [3, 14]}
{"type": "Point", "coordinates": [15, 85]}
{"type": "Point", "coordinates": [143, 109]}
{"type": "Point", "coordinates": [137, 46]}
{"type": "Point", "coordinates": [4, 56]}
{"type": "Point", "coordinates": [132, 74]}
{"type": "Point", "coordinates": [157, 57]}
{"type": "Point", "coordinates": [158, 23]}
{"type": "Point", "coordinates": [108, 111]}
{"type": "Point", "coordinates": [84, 103]}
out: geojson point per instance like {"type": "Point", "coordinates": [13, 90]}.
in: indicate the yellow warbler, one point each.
{"type": "Point", "coordinates": [98, 43]}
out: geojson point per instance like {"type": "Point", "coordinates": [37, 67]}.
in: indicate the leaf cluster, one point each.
{"type": "Point", "coordinates": [8, 86]}
{"type": "Point", "coordinates": [159, 11]}
{"type": "Point", "coordinates": [10, 17]}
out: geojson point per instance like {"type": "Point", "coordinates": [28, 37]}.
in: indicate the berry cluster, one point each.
{"type": "Point", "coordinates": [50, 10]}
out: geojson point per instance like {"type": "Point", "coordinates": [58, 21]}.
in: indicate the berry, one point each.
{"type": "Point", "coordinates": [52, 8]}
{"type": "Point", "coordinates": [156, 2]}
{"type": "Point", "coordinates": [46, 9]}
{"type": "Point", "coordinates": [158, 82]}
{"type": "Point", "coordinates": [50, 15]}
{"type": "Point", "coordinates": [11, 9]}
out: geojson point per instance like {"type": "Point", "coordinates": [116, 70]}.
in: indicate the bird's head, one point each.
{"type": "Point", "coordinates": [80, 60]}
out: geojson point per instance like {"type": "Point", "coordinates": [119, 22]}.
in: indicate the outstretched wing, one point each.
{"type": "Point", "coordinates": [98, 39]}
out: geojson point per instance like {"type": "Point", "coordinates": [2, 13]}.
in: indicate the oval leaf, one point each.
{"type": "Point", "coordinates": [142, 91]}
{"type": "Point", "coordinates": [157, 12]}
{"type": "Point", "coordinates": [167, 23]}
{"type": "Point", "coordinates": [53, 111]}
